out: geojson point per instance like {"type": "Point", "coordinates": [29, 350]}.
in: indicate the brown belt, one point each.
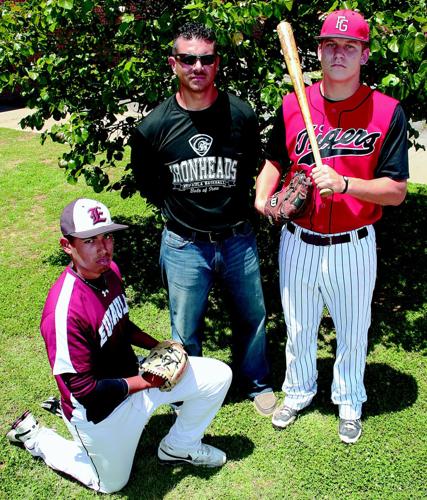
{"type": "Point", "coordinates": [323, 241]}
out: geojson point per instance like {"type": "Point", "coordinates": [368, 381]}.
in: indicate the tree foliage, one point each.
{"type": "Point", "coordinates": [86, 61]}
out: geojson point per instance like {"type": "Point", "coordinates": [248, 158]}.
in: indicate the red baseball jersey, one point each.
{"type": "Point", "coordinates": [86, 332]}
{"type": "Point", "coordinates": [357, 137]}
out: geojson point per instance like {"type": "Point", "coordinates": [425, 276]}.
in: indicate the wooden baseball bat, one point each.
{"type": "Point", "coordinates": [290, 52]}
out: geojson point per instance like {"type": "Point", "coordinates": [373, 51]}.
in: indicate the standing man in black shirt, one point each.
{"type": "Point", "coordinates": [195, 157]}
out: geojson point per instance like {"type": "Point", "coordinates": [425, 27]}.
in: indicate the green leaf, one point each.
{"type": "Point", "coordinates": [390, 80]}
{"type": "Point", "coordinates": [393, 45]}
{"type": "Point", "coordinates": [71, 179]}
{"type": "Point", "coordinates": [87, 6]}
{"type": "Point", "coordinates": [66, 4]}
{"type": "Point", "coordinates": [419, 43]}
{"type": "Point", "coordinates": [33, 75]}
{"type": "Point", "coordinates": [194, 6]}
{"type": "Point", "coordinates": [128, 18]}
{"type": "Point", "coordinates": [422, 70]}
{"type": "Point", "coordinates": [375, 46]}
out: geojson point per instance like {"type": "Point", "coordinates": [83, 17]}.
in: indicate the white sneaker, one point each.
{"type": "Point", "coordinates": [350, 430]}
{"type": "Point", "coordinates": [283, 416]}
{"type": "Point", "coordinates": [25, 427]}
{"type": "Point", "coordinates": [206, 455]}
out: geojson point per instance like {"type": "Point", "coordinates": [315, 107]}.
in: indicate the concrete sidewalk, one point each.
{"type": "Point", "coordinates": [10, 118]}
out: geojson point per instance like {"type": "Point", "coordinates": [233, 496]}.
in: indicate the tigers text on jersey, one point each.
{"type": "Point", "coordinates": [363, 136]}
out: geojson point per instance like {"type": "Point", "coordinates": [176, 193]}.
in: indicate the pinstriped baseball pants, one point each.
{"type": "Point", "coordinates": [342, 278]}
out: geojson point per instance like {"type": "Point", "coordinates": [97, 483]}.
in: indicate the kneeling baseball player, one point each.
{"type": "Point", "coordinates": [106, 397]}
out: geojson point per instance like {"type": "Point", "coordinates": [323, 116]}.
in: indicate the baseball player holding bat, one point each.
{"type": "Point", "coordinates": [105, 400]}
{"type": "Point", "coordinates": [327, 256]}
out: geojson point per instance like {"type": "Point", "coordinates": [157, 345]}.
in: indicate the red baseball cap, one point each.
{"type": "Point", "coordinates": [84, 218]}
{"type": "Point", "coordinates": [345, 24]}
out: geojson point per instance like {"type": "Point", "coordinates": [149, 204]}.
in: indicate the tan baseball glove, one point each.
{"type": "Point", "coordinates": [291, 202]}
{"type": "Point", "coordinates": [167, 360]}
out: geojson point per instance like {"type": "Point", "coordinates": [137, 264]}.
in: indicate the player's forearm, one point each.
{"type": "Point", "coordinates": [383, 191]}
{"type": "Point", "coordinates": [266, 183]}
{"type": "Point", "coordinates": [136, 384]}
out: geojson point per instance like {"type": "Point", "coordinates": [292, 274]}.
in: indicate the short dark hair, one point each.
{"type": "Point", "coordinates": [191, 30]}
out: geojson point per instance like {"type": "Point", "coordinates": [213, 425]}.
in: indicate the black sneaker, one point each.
{"type": "Point", "coordinates": [350, 430]}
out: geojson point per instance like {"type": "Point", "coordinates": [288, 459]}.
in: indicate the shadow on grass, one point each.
{"type": "Point", "coordinates": [149, 479]}
{"type": "Point", "coordinates": [389, 390]}
{"type": "Point", "coordinates": [400, 298]}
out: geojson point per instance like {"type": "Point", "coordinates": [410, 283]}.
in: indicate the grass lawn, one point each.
{"type": "Point", "coordinates": [305, 461]}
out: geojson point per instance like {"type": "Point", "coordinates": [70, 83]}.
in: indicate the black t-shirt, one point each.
{"type": "Point", "coordinates": [198, 167]}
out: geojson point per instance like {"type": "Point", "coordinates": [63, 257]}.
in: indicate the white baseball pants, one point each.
{"type": "Point", "coordinates": [342, 278]}
{"type": "Point", "coordinates": [101, 455]}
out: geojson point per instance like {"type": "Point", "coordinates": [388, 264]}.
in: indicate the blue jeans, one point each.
{"type": "Point", "coordinates": [189, 269]}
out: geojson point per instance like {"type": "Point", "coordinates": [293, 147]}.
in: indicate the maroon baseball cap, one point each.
{"type": "Point", "coordinates": [345, 24]}
{"type": "Point", "coordinates": [84, 218]}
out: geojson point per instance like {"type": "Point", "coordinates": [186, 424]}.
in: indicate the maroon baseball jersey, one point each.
{"type": "Point", "coordinates": [86, 333]}
{"type": "Point", "coordinates": [363, 136]}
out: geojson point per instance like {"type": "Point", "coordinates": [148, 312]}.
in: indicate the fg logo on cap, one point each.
{"type": "Point", "coordinates": [342, 23]}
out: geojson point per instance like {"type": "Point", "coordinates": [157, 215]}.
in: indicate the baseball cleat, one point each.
{"type": "Point", "coordinates": [25, 427]}
{"type": "Point", "coordinates": [206, 455]}
{"type": "Point", "coordinates": [283, 416]}
{"type": "Point", "coordinates": [350, 430]}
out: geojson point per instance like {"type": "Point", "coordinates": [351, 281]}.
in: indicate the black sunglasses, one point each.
{"type": "Point", "coordinates": [191, 59]}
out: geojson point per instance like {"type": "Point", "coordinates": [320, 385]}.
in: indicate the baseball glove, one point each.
{"type": "Point", "coordinates": [167, 360]}
{"type": "Point", "coordinates": [291, 202]}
